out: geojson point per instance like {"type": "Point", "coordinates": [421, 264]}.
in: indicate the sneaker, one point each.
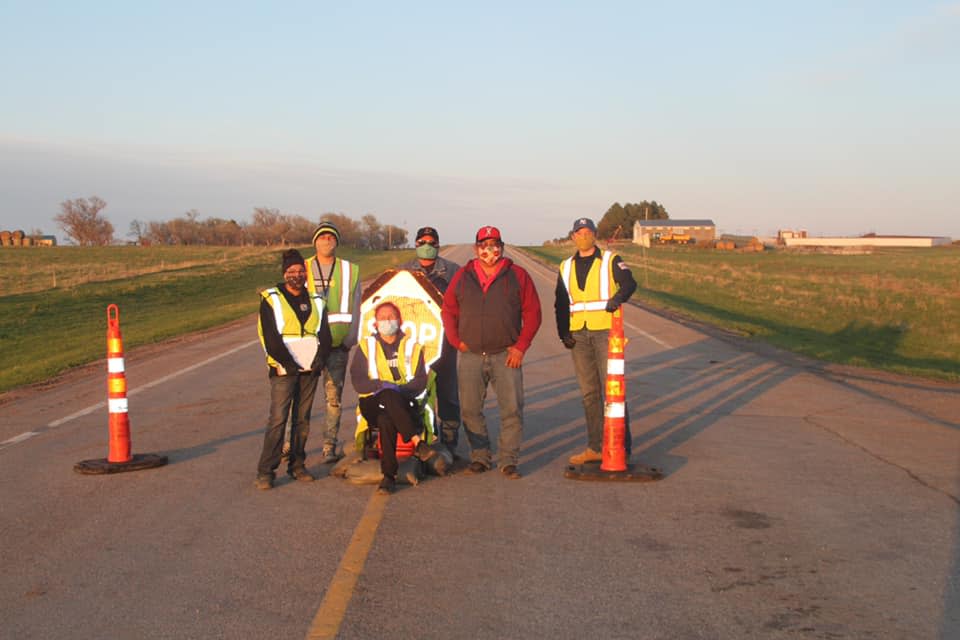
{"type": "Point", "coordinates": [387, 486]}
{"type": "Point", "coordinates": [424, 452]}
{"type": "Point", "coordinates": [476, 467]}
{"type": "Point", "coordinates": [588, 455]}
{"type": "Point", "coordinates": [511, 472]}
{"type": "Point", "coordinates": [301, 474]}
{"type": "Point", "coordinates": [264, 482]}
{"type": "Point", "coordinates": [330, 454]}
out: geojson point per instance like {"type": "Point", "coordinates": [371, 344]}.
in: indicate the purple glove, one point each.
{"type": "Point", "coordinates": [388, 385]}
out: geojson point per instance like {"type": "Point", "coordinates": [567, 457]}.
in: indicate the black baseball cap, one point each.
{"type": "Point", "coordinates": [427, 231]}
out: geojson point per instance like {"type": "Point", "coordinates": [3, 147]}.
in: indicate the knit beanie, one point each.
{"type": "Point", "coordinates": [326, 227]}
{"type": "Point", "coordinates": [290, 258]}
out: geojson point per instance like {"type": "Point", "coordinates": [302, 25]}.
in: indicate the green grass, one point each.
{"type": "Point", "coordinates": [44, 332]}
{"type": "Point", "coordinates": [894, 309]}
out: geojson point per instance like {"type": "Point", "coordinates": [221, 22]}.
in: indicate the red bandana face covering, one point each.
{"type": "Point", "coordinates": [489, 255]}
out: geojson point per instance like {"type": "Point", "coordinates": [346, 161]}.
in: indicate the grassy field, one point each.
{"type": "Point", "coordinates": [161, 291]}
{"type": "Point", "coordinates": [894, 309]}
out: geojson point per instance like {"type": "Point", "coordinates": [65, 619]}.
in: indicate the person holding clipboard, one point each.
{"type": "Point", "coordinates": [295, 335]}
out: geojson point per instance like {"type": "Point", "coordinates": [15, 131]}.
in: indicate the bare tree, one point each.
{"type": "Point", "coordinates": [137, 231]}
{"type": "Point", "coordinates": [81, 221]}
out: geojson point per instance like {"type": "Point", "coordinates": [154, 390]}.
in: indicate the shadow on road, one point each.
{"type": "Point", "coordinates": [177, 456]}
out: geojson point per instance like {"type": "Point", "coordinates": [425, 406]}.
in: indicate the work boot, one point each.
{"type": "Point", "coordinates": [330, 454]}
{"type": "Point", "coordinates": [264, 482]}
{"type": "Point", "coordinates": [301, 474]}
{"type": "Point", "coordinates": [588, 455]}
{"type": "Point", "coordinates": [476, 467]}
{"type": "Point", "coordinates": [387, 486]}
{"type": "Point", "coordinates": [423, 451]}
{"type": "Point", "coordinates": [511, 471]}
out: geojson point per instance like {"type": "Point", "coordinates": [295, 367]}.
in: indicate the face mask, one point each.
{"type": "Point", "coordinates": [295, 282]}
{"type": "Point", "coordinates": [583, 243]}
{"type": "Point", "coordinates": [489, 255]}
{"type": "Point", "coordinates": [387, 327]}
{"type": "Point", "coordinates": [427, 251]}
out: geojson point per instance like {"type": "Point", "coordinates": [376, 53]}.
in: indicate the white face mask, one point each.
{"type": "Point", "coordinates": [387, 327]}
{"type": "Point", "coordinates": [489, 255]}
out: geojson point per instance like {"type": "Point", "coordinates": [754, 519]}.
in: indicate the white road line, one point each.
{"type": "Point", "coordinates": [100, 405]}
{"type": "Point", "coordinates": [20, 438]}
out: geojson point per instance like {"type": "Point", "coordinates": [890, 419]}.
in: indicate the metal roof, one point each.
{"type": "Point", "coordinates": [676, 223]}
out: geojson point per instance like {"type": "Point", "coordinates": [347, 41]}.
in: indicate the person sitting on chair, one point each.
{"type": "Point", "coordinates": [389, 376]}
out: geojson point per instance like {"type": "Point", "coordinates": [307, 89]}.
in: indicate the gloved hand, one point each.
{"type": "Point", "coordinates": [568, 341]}
{"type": "Point", "coordinates": [388, 385]}
{"type": "Point", "coordinates": [612, 305]}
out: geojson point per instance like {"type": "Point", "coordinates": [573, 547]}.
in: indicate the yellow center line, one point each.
{"type": "Point", "coordinates": [326, 624]}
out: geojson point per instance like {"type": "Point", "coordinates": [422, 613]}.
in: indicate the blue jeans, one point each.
{"type": "Point", "coordinates": [475, 373]}
{"type": "Point", "coordinates": [590, 365]}
{"type": "Point", "coordinates": [296, 390]}
{"type": "Point", "coordinates": [333, 375]}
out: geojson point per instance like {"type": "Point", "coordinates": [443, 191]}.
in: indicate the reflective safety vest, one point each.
{"type": "Point", "coordinates": [288, 325]}
{"type": "Point", "coordinates": [339, 298]}
{"type": "Point", "coordinates": [588, 305]}
{"type": "Point", "coordinates": [408, 355]}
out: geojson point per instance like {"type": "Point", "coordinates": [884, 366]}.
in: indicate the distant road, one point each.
{"type": "Point", "coordinates": [799, 501]}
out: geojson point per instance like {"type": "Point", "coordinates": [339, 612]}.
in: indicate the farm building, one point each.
{"type": "Point", "coordinates": [869, 241]}
{"type": "Point", "coordinates": [647, 232]}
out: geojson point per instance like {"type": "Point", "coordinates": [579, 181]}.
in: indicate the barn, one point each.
{"type": "Point", "coordinates": [647, 232]}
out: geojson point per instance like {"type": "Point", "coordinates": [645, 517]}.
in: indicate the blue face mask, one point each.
{"type": "Point", "coordinates": [387, 327]}
{"type": "Point", "coordinates": [427, 251]}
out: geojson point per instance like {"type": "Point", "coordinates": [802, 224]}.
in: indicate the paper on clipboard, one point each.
{"type": "Point", "coordinates": [303, 350]}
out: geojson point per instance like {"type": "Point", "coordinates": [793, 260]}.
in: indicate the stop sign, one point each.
{"type": "Point", "coordinates": [419, 303]}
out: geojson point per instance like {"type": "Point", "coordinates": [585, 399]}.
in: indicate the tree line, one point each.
{"type": "Point", "coordinates": [617, 222]}
{"type": "Point", "coordinates": [83, 223]}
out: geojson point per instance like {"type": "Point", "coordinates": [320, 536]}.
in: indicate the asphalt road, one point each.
{"type": "Point", "coordinates": [799, 501]}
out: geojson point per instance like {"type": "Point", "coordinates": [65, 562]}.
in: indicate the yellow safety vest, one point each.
{"type": "Point", "coordinates": [588, 305]}
{"type": "Point", "coordinates": [339, 298]}
{"type": "Point", "coordinates": [288, 325]}
{"type": "Point", "coordinates": [408, 355]}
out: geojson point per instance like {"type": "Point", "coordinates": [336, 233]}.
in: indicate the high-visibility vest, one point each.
{"type": "Point", "coordinates": [339, 298]}
{"type": "Point", "coordinates": [288, 325]}
{"type": "Point", "coordinates": [588, 305]}
{"type": "Point", "coordinates": [408, 355]}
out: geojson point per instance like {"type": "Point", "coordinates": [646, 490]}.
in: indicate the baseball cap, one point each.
{"type": "Point", "coordinates": [488, 233]}
{"type": "Point", "coordinates": [427, 231]}
{"type": "Point", "coordinates": [326, 227]}
{"type": "Point", "coordinates": [583, 223]}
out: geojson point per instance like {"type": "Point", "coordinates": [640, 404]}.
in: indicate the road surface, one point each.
{"type": "Point", "coordinates": [799, 501]}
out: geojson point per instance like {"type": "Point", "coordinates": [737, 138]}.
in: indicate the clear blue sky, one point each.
{"type": "Point", "coordinates": [838, 117]}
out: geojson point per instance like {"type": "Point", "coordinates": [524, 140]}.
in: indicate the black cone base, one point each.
{"type": "Point", "coordinates": [633, 473]}
{"type": "Point", "coordinates": [138, 462]}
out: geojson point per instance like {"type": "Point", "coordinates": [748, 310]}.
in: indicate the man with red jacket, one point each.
{"type": "Point", "coordinates": [491, 312]}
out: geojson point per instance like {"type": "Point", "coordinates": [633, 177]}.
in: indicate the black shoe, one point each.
{"type": "Point", "coordinates": [511, 472]}
{"type": "Point", "coordinates": [424, 452]}
{"type": "Point", "coordinates": [301, 474]}
{"type": "Point", "coordinates": [476, 467]}
{"type": "Point", "coordinates": [387, 486]}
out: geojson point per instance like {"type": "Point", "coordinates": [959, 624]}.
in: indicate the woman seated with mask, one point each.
{"type": "Point", "coordinates": [389, 375]}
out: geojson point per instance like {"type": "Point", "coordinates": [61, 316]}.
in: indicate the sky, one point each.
{"type": "Point", "coordinates": [835, 117]}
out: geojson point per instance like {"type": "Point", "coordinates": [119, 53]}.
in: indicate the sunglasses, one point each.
{"type": "Point", "coordinates": [423, 242]}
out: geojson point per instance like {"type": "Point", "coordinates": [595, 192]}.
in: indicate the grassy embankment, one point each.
{"type": "Point", "coordinates": [161, 291]}
{"type": "Point", "coordinates": [894, 309]}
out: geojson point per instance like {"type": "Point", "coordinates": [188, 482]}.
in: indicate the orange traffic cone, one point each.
{"type": "Point", "coordinates": [613, 464]}
{"type": "Point", "coordinates": [118, 454]}
{"type": "Point", "coordinates": [614, 453]}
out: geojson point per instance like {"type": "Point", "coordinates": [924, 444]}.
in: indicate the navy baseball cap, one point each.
{"type": "Point", "coordinates": [583, 223]}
